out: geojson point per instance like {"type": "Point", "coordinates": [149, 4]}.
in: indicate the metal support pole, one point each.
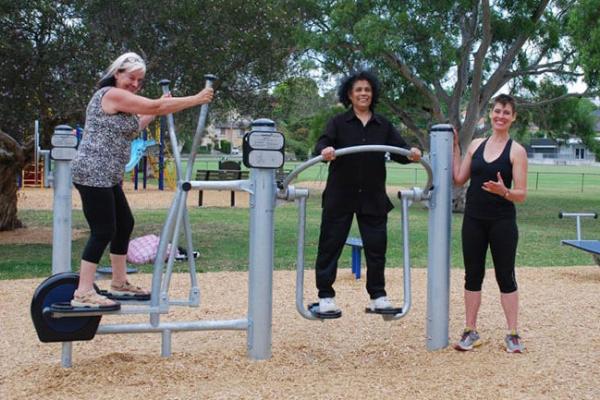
{"type": "Point", "coordinates": [66, 357]}
{"type": "Point", "coordinates": [166, 343]}
{"type": "Point", "coordinates": [36, 149]}
{"type": "Point", "coordinates": [63, 151]}
{"type": "Point", "coordinates": [438, 268]}
{"type": "Point", "coordinates": [61, 225]}
{"type": "Point", "coordinates": [260, 280]}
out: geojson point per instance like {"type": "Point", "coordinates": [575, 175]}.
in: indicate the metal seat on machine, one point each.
{"type": "Point", "coordinates": [314, 310]}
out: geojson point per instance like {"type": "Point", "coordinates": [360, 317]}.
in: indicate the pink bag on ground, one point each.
{"type": "Point", "coordinates": [142, 250]}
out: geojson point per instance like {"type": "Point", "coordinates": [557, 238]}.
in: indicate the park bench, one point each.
{"type": "Point", "coordinates": [356, 244]}
{"type": "Point", "coordinates": [228, 171]}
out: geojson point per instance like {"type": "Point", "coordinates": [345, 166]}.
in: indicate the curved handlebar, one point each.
{"type": "Point", "coordinates": [360, 149]}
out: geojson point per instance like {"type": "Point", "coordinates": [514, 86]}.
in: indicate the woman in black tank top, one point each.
{"type": "Point", "coordinates": [497, 168]}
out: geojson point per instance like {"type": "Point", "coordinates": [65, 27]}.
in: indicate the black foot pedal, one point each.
{"type": "Point", "coordinates": [127, 297]}
{"type": "Point", "coordinates": [384, 311]}
{"type": "Point", "coordinates": [65, 307]}
{"type": "Point", "coordinates": [104, 270]}
{"type": "Point", "coordinates": [314, 310]}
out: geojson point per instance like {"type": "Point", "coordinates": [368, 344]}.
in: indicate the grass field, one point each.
{"type": "Point", "coordinates": [553, 178]}
{"type": "Point", "coordinates": [221, 234]}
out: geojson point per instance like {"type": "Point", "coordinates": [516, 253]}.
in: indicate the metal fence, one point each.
{"type": "Point", "coordinates": [536, 180]}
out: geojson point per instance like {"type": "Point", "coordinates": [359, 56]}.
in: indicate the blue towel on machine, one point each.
{"type": "Point", "coordinates": [138, 149]}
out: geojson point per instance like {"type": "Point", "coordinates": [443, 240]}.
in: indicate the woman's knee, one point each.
{"type": "Point", "coordinates": [474, 279]}
{"type": "Point", "coordinates": [507, 284]}
{"type": "Point", "coordinates": [103, 234]}
{"type": "Point", "coordinates": [127, 225]}
{"type": "Point", "coordinates": [473, 285]}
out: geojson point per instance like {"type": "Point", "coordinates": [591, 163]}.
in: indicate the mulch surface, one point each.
{"type": "Point", "coordinates": [359, 356]}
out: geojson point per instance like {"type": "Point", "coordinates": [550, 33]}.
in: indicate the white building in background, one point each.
{"type": "Point", "coordinates": [570, 151]}
{"type": "Point", "coordinates": [231, 130]}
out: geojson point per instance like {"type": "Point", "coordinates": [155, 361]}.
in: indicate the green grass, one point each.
{"type": "Point", "coordinates": [552, 178]}
{"type": "Point", "coordinates": [221, 235]}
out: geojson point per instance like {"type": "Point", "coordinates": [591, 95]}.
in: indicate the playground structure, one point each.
{"type": "Point", "coordinates": [151, 152]}
{"type": "Point", "coordinates": [38, 173]}
{"type": "Point", "coordinates": [145, 153]}
{"type": "Point", "coordinates": [263, 154]}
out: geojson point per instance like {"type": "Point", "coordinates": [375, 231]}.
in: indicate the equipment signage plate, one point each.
{"type": "Point", "coordinates": [266, 140]}
{"type": "Point", "coordinates": [265, 159]}
{"type": "Point", "coordinates": [64, 140]}
{"type": "Point", "coordinates": [63, 153]}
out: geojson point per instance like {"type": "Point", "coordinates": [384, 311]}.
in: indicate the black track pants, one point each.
{"type": "Point", "coordinates": [334, 231]}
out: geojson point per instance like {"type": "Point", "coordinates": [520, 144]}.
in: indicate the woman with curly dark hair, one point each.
{"type": "Point", "coordinates": [356, 186]}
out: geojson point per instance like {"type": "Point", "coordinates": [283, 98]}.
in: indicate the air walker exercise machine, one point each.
{"type": "Point", "coordinates": [312, 312]}
{"type": "Point", "coordinates": [436, 194]}
{"type": "Point", "coordinates": [263, 154]}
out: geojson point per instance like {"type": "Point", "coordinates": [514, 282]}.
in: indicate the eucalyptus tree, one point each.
{"type": "Point", "coordinates": [53, 52]}
{"type": "Point", "coordinates": [443, 60]}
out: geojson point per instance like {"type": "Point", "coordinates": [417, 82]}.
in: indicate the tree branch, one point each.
{"type": "Point", "coordinates": [543, 71]}
{"type": "Point", "coordinates": [497, 78]}
{"type": "Point", "coordinates": [522, 103]}
{"type": "Point", "coordinates": [475, 104]}
{"type": "Point", "coordinates": [418, 83]}
{"type": "Point", "coordinates": [406, 120]}
{"type": "Point", "coordinates": [468, 27]}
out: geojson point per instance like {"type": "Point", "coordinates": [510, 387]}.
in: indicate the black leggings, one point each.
{"type": "Point", "coordinates": [109, 217]}
{"type": "Point", "coordinates": [501, 235]}
{"type": "Point", "coordinates": [334, 231]}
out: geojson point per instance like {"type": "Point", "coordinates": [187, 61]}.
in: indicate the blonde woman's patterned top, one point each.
{"type": "Point", "coordinates": [105, 145]}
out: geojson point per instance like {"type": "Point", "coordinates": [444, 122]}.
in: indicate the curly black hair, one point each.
{"type": "Point", "coordinates": [348, 83]}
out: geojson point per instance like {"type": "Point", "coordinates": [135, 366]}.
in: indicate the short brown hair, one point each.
{"type": "Point", "coordinates": [505, 99]}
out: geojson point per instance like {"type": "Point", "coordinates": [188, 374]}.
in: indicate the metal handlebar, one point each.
{"type": "Point", "coordinates": [359, 149]}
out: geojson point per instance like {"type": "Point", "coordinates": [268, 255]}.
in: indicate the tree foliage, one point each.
{"type": "Point", "coordinates": [442, 61]}
{"type": "Point", "coordinates": [584, 26]}
{"type": "Point", "coordinates": [41, 74]}
{"type": "Point", "coordinates": [52, 53]}
{"type": "Point", "coordinates": [300, 112]}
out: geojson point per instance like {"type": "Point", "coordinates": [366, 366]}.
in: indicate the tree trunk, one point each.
{"type": "Point", "coordinates": [459, 198]}
{"type": "Point", "coordinates": [13, 157]}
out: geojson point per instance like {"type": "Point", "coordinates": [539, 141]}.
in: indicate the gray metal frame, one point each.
{"type": "Point", "coordinates": [263, 192]}
{"type": "Point", "coordinates": [440, 218]}
{"type": "Point", "coordinates": [437, 194]}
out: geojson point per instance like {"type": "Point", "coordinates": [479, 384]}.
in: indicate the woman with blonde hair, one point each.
{"type": "Point", "coordinates": [114, 116]}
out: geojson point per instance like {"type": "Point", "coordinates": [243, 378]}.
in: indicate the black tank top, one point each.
{"type": "Point", "coordinates": [482, 204]}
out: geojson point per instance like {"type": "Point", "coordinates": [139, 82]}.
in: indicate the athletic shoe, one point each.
{"type": "Point", "coordinates": [513, 343]}
{"type": "Point", "coordinates": [468, 341]}
{"type": "Point", "coordinates": [327, 305]}
{"type": "Point", "coordinates": [380, 303]}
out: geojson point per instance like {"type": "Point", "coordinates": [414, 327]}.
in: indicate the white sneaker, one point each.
{"type": "Point", "coordinates": [327, 305]}
{"type": "Point", "coordinates": [380, 303]}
